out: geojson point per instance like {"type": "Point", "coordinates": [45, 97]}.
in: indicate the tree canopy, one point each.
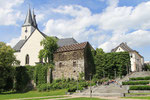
{"type": "Point", "coordinates": [49, 47]}
{"type": "Point", "coordinates": [7, 59]}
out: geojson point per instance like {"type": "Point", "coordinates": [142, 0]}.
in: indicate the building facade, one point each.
{"type": "Point", "coordinates": [137, 61]}
{"type": "Point", "coordinates": [72, 60]}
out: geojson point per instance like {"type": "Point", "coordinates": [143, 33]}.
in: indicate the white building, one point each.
{"type": "Point", "coordinates": [137, 61]}
{"type": "Point", "coordinates": [27, 49]}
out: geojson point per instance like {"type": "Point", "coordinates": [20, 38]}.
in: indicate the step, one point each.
{"type": "Point", "coordinates": [101, 94]}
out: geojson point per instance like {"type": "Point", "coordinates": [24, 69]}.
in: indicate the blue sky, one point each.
{"type": "Point", "coordinates": [104, 23]}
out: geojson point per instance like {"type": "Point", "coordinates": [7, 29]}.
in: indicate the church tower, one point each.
{"type": "Point", "coordinates": [29, 25]}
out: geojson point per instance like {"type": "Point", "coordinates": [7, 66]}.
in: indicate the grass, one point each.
{"type": "Point", "coordinates": [148, 97]}
{"type": "Point", "coordinates": [83, 98]}
{"type": "Point", "coordinates": [138, 93]}
{"type": "Point", "coordinates": [46, 98]}
{"type": "Point", "coordinates": [30, 94]}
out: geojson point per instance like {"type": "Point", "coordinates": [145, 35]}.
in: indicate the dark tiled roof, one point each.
{"type": "Point", "coordinates": [124, 46]}
{"type": "Point", "coordinates": [72, 47]}
{"type": "Point", "coordinates": [18, 46]}
{"type": "Point", "coordinates": [66, 41]}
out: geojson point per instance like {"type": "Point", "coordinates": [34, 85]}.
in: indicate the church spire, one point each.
{"type": "Point", "coordinates": [28, 21]}
{"type": "Point", "coordinates": [34, 19]}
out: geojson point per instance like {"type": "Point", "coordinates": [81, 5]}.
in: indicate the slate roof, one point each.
{"type": "Point", "coordinates": [18, 46]}
{"type": "Point", "coordinates": [66, 41]}
{"type": "Point", "coordinates": [124, 46]}
{"type": "Point", "coordinates": [72, 47]}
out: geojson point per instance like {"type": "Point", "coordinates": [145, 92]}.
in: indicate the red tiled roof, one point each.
{"type": "Point", "coordinates": [72, 47]}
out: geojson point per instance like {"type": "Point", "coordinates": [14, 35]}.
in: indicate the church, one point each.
{"type": "Point", "coordinates": [71, 56]}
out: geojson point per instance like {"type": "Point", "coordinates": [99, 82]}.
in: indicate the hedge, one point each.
{"type": "Point", "coordinates": [145, 87]}
{"type": "Point", "coordinates": [69, 84]}
{"type": "Point", "coordinates": [140, 78]}
{"type": "Point", "coordinates": [23, 76]}
{"type": "Point", "coordinates": [135, 83]}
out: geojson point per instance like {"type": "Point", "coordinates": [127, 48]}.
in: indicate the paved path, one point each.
{"type": "Point", "coordinates": [73, 96]}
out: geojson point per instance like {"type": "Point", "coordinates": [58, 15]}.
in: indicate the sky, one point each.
{"type": "Point", "coordinates": [104, 23]}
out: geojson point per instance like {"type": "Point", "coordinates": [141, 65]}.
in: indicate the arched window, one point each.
{"type": "Point", "coordinates": [27, 59]}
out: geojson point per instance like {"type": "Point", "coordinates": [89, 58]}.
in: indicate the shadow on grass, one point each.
{"type": "Point", "coordinates": [14, 92]}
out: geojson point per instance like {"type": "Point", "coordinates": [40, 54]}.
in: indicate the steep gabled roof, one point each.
{"type": "Point", "coordinates": [18, 46]}
{"type": "Point", "coordinates": [124, 46]}
{"type": "Point", "coordinates": [66, 41]}
{"type": "Point", "coordinates": [72, 47]}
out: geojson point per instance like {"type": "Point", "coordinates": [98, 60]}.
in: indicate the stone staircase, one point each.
{"type": "Point", "coordinates": [113, 89]}
{"type": "Point", "coordinates": [134, 74]}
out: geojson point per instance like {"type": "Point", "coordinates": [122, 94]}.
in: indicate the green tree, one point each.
{"type": "Point", "coordinates": [111, 64]}
{"type": "Point", "coordinates": [7, 59]}
{"type": "Point", "coordinates": [50, 46]}
{"type": "Point", "coordinates": [99, 60]}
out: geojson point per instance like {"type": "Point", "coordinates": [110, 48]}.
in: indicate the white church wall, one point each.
{"type": "Point", "coordinates": [119, 50]}
{"type": "Point", "coordinates": [32, 48]}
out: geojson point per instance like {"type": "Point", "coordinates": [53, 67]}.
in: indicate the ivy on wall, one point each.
{"type": "Point", "coordinates": [40, 74]}
{"type": "Point", "coordinates": [111, 65]}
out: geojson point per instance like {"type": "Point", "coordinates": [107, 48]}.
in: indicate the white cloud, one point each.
{"type": "Point", "coordinates": [137, 38]}
{"type": "Point", "coordinates": [106, 30]}
{"type": "Point", "coordinates": [8, 14]}
{"type": "Point", "coordinates": [14, 41]}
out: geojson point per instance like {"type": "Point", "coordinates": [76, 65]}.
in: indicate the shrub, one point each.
{"type": "Point", "coordinates": [135, 83]}
{"type": "Point", "coordinates": [23, 76]}
{"type": "Point", "coordinates": [145, 87]}
{"type": "Point", "coordinates": [83, 84]}
{"type": "Point", "coordinates": [72, 89]}
{"type": "Point", "coordinates": [140, 78]}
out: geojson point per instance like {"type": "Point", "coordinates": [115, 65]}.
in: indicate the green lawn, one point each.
{"type": "Point", "coordinates": [146, 97]}
{"type": "Point", "coordinates": [138, 93]}
{"type": "Point", "coordinates": [29, 94]}
{"type": "Point", "coordinates": [46, 98]}
{"type": "Point", "coordinates": [83, 98]}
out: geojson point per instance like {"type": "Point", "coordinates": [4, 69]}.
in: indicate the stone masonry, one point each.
{"type": "Point", "coordinates": [70, 61]}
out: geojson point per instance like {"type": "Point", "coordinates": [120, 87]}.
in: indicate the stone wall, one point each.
{"type": "Point", "coordinates": [68, 64]}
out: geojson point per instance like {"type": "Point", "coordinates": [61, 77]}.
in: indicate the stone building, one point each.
{"type": "Point", "coordinates": [137, 61]}
{"type": "Point", "coordinates": [71, 60]}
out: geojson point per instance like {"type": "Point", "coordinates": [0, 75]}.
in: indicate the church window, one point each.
{"type": "Point", "coordinates": [74, 64]}
{"type": "Point", "coordinates": [60, 65]}
{"type": "Point", "coordinates": [26, 30]}
{"type": "Point", "coordinates": [27, 59]}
